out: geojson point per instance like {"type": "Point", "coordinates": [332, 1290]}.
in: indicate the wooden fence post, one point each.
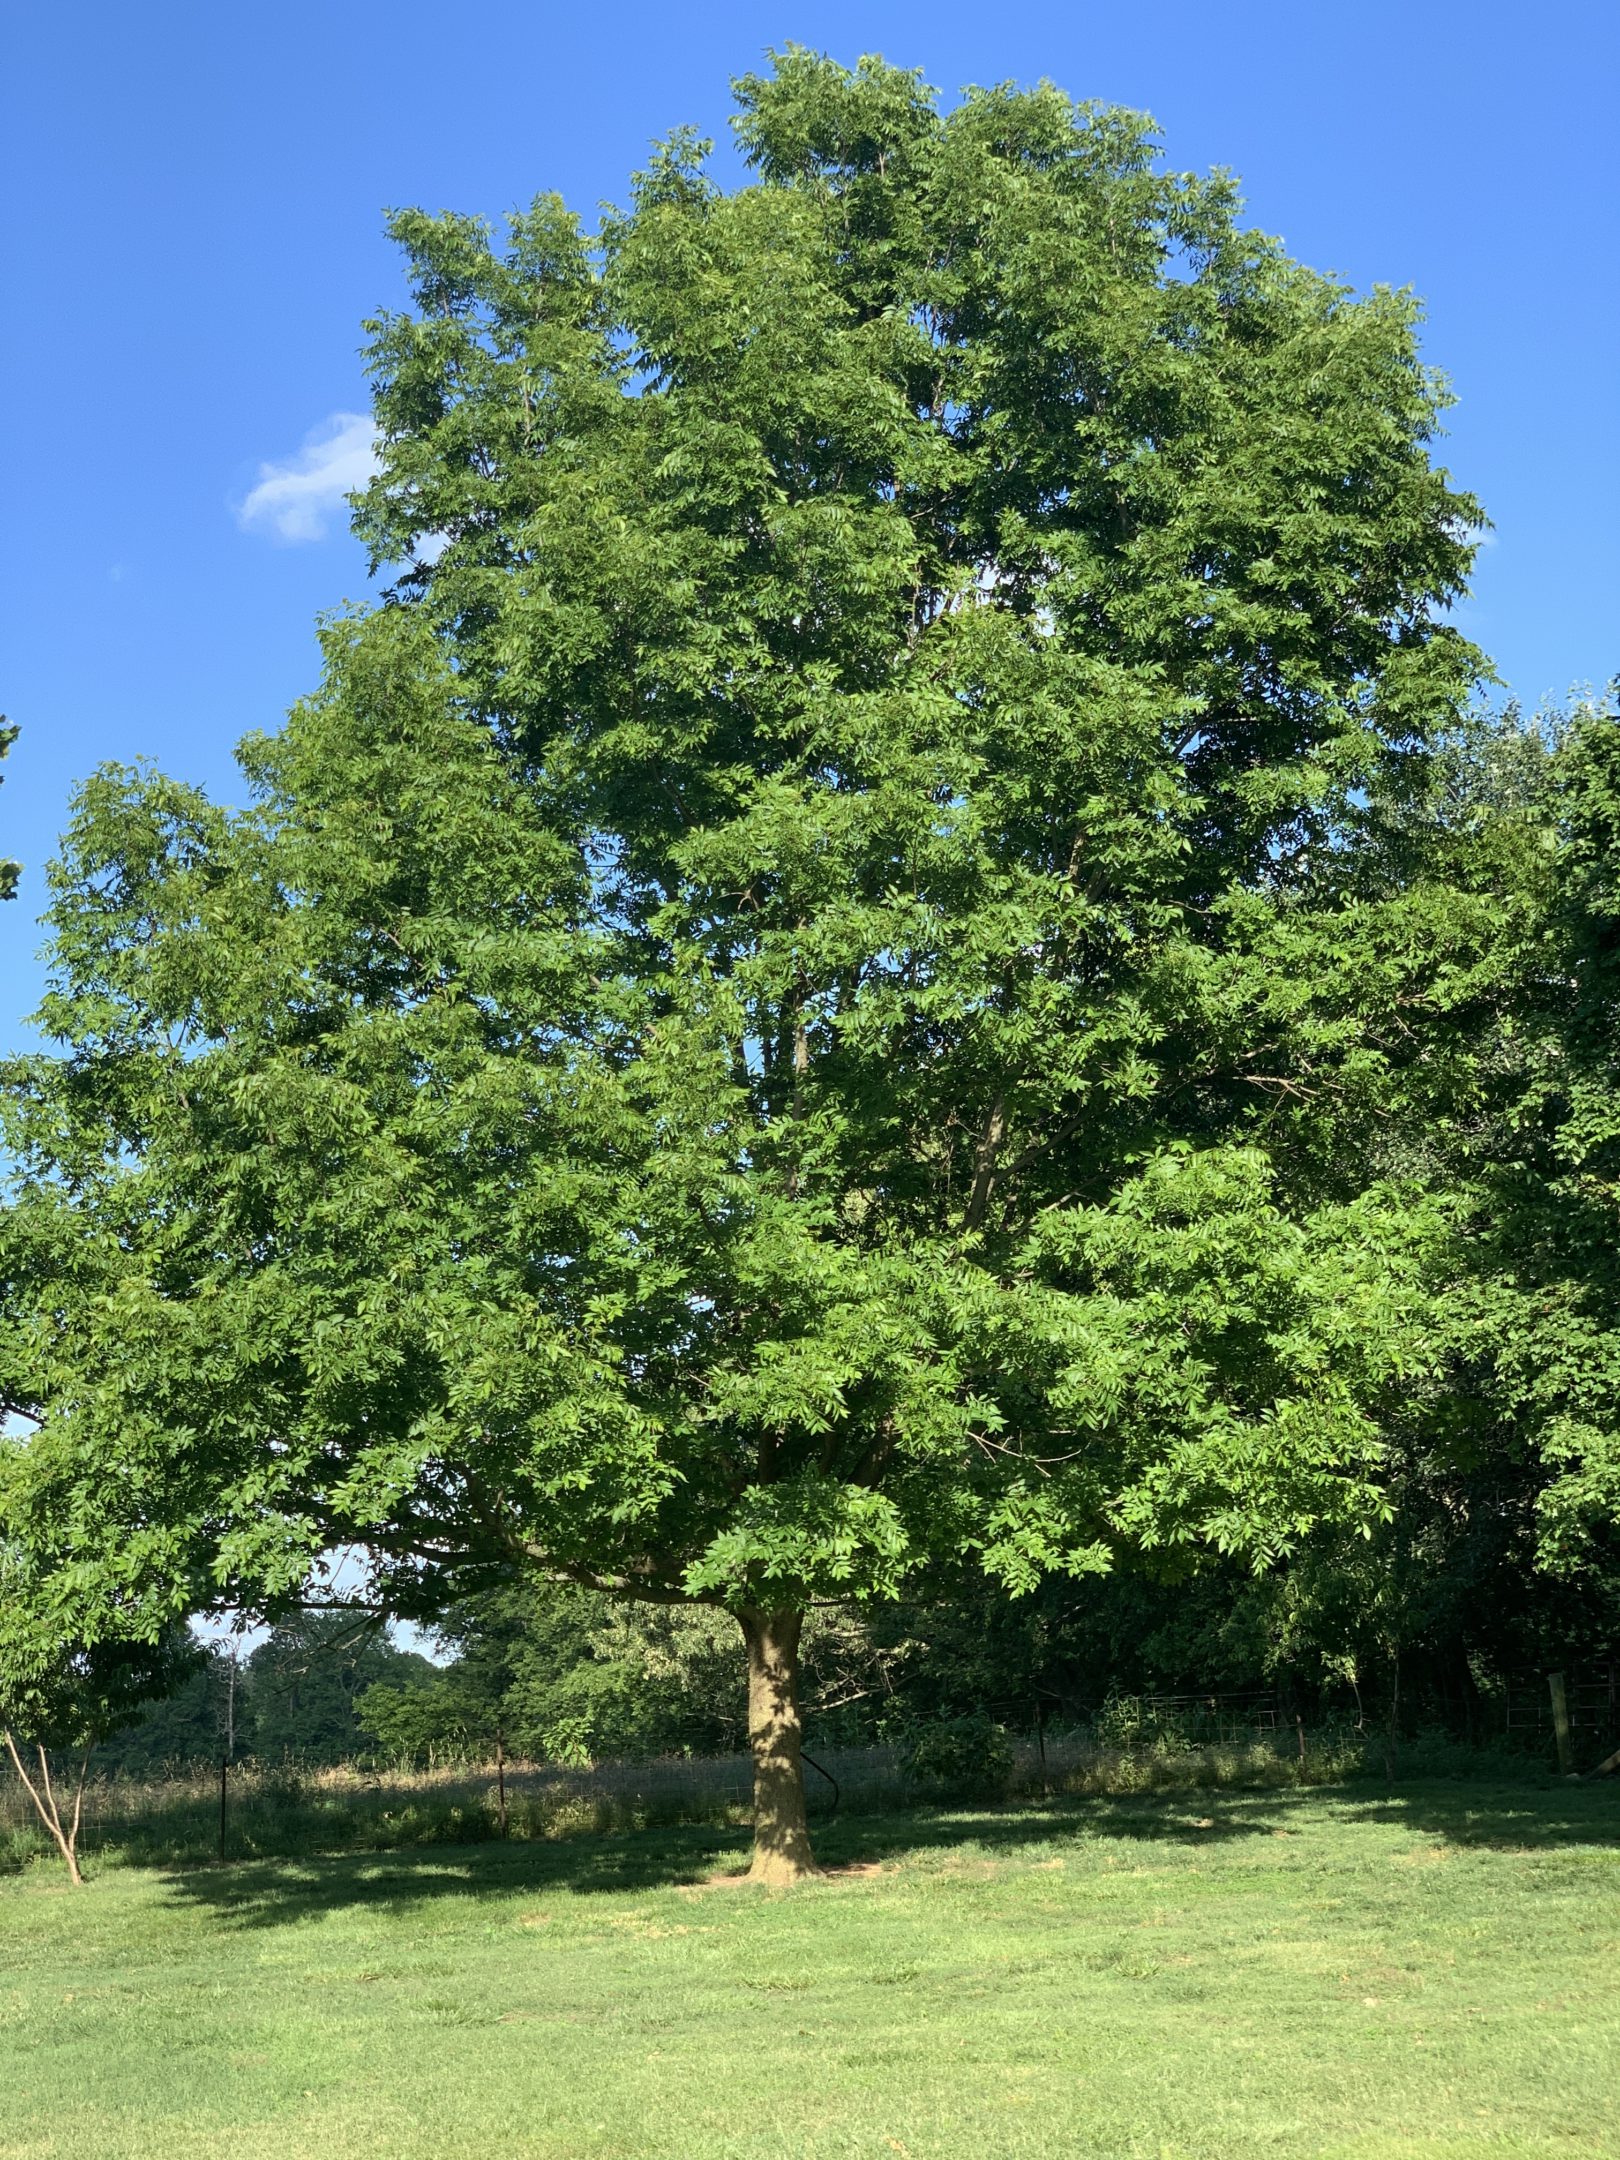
{"type": "Point", "coordinates": [1560, 1711]}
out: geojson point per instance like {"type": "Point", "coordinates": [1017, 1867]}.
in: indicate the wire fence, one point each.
{"type": "Point", "coordinates": [1133, 1744]}
{"type": "Point", "coordinates": [1591, 1700]}
{"type": "Point", "coordinates": [286, 1811]}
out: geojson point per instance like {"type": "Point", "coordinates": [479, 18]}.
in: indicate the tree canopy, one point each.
{"type": "Point", "coordinates": [834, 992]}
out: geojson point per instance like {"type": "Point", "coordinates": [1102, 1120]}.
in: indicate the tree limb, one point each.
{"type": "Point", "coordinates": [984, 1162]}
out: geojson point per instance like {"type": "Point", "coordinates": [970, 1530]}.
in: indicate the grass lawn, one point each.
{"type": "Point", "coordinates": [1434, 1971]}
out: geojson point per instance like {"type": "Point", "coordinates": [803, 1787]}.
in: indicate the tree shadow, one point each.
{"type": "Point", "coordinates": [271, 1892]}
{"type": "Point", "coordinates": [1502, 1818]}
{"type": "Point", "coordinates": [1197, 1818]}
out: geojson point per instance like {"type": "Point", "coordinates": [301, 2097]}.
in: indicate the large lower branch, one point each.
{"type": "Point", "coordinates": [984, 1163]}
{"type": "Point", "coordinates": [629, 1585]}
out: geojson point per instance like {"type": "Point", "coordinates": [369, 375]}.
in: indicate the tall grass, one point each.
{"type": "Point", "coordinates": [286, 1811]}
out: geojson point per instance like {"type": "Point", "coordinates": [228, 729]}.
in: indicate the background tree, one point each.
{"type": "Point", "coordinates": [745, 1054]}
{"type": "Point", "coordinates": [206, 1717]}
{"type": "Point", "coordinates": [558, 1678]}
{"type": "Point", "coordinates": [1536, 1335]}
{"type": "Point", "coordinates": [307, 1682]}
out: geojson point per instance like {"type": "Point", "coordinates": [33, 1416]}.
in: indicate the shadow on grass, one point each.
{"type": "Point", "coordinates": [270, 1892]}
{"type": "Point", "coordinates": [264, 1893]}
{"type": "Point", "coordinates": [267, 1893]}
{"type": "Point", "coordinates": [1503, 1818]}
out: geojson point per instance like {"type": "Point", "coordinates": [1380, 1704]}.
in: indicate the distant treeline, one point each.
{"type": "Point", "coordinates": [1440, 1609]}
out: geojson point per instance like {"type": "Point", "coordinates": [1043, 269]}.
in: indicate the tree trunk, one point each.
{"type": "Point", "coordinates": [781, 1833]}
{"type": "Point", "coordinates": [43, 1796]}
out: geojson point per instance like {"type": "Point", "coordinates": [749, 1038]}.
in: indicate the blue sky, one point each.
{"type": "Point", "coordinates": [195, 197]}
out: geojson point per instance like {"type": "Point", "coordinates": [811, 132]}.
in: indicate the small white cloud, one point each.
{"type": "Point", "coordinates": [295, 498]}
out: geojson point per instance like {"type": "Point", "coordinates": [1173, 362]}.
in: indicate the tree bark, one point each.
{"type": "Point", "coordinates": [781, 1831]}
{"type": "Point", "coordinates": [984, 1164]}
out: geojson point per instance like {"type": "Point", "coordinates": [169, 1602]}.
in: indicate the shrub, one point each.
{"type": "Point", "coordinates": [967, 1755]}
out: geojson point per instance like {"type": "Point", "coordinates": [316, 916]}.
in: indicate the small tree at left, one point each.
{"type": "Point", "coordinates": [60, 1695]}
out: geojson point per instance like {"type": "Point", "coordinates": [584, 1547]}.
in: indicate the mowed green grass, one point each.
{"type": "Point", "coordinates": [1430, 1972]}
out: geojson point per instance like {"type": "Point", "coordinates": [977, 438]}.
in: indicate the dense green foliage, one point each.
{"type": "Point", "coordinates": [892, 969]}
{"type": "Point", "coordinates": [1543, 1164]}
